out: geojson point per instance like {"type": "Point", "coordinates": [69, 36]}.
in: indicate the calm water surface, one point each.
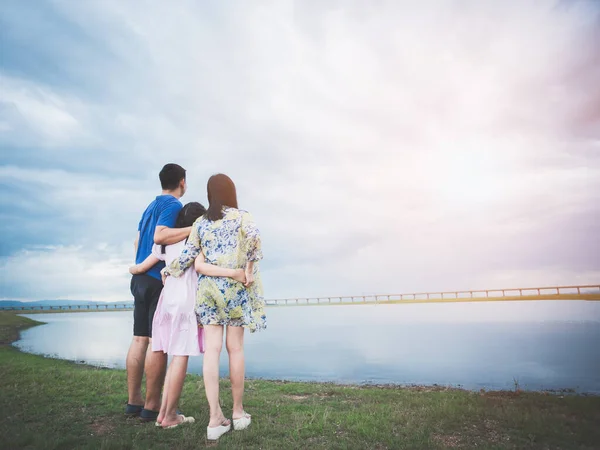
{"type": "Point", "coordinates": [539, 345]}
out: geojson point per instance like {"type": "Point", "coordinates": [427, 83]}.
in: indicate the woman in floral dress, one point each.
{"type": "Point", "coordinates": [226, 237]}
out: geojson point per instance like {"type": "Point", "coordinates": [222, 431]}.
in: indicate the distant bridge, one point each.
{"type": "Point", "coordinates": [584, 292]}
{"type": "Point", "coordinates": [92, 307]}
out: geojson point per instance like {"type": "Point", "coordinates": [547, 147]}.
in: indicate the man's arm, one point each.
{"type": "Point", "coordinates": [164, 233]}
{"type": "Point", "coordinates": [167, 236]}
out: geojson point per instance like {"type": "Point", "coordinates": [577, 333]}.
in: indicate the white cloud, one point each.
{"type": "Point", "coordinates": [77, 273]}
{"type": "Point", "coordinates": [381, 147]}
{"type": "Point", "coordinates": [49, 116]}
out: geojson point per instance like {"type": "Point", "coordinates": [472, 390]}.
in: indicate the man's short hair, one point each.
{"type": "Point", "coordinates": [170, 176]}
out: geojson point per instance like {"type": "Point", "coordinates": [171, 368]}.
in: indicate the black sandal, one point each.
{"type": "Point", "coordinates": [133, 410]}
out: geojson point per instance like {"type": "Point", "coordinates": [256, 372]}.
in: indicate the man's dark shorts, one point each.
{"type": "Point", "coordinates": [146, 291]}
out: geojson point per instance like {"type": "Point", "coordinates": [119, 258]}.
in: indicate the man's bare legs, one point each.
{"type": "Point", "coordinates": [136, 357]}
{"type": "Point", "coordinates": [213, 335]}
{"type": "Point", "coordinates": [155, 368]}
{"type": "Point", "coordinates": [235, 350]}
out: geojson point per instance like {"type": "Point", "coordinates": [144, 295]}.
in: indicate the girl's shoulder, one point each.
{"type": "Point", "coordinates": [173, 250]}
{"type": "Point", "coordinates": [177, 244]}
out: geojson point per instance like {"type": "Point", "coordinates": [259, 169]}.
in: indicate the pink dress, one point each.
{"type": "Point", "coordinates": [174, 327]}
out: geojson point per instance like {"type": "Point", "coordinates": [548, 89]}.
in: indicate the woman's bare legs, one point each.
{"type": "Point", "coordinates": [172, 390]}
{"type": "Point", "coordinates": [235, 350]}
{"type": "Point", "coordinates": [213, 339]}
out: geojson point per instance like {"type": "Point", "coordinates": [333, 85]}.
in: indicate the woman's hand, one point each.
{"type": "Point", "coordinates": [163, 275]}
{"type": "Point", "coordinates": [249, 273]}
{"type": "Point", "coordinates": [239, 275]}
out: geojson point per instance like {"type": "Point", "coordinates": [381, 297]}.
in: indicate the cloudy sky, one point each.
{"type": "Point", "coordinates": [382, 146]}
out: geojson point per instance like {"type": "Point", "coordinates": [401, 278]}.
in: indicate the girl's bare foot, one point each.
{"type": "Point", "coordinates": [178, 419]}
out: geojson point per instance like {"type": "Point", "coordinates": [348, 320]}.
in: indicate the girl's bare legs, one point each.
{"type": "Point", "coordinates": [172, 391]}
{"type": "Point", "coordinates": [235, 349]}
{"type": "Point", "coordinates": [213, 340]}
{"type": "Point", "coordinates": [163, 404]}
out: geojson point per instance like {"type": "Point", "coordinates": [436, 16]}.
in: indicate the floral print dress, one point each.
{"type": "Point", "coordinates": [229, 243]}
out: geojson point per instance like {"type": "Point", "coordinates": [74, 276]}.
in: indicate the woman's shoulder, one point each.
{"type": "Point", "coordinates": [237, 212]}
{"type": "Point", "coordinates": [233, 213]}
{"type": "Point", "coordinates": [200, 221]}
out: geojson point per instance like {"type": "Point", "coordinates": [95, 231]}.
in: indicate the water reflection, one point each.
{"type": "Point", "coordinates": [540, 345]}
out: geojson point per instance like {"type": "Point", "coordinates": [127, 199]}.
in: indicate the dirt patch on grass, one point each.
{"type": "Point", "coordinates": [102, 426]}
{"type": "Point", "coordinates": [297, 398]}
{"type": "Point", "coordinates": [300, 397]}
{"type": "Point", "coordinates": [448, 440]}
{"type": "Point", "coordinates": [473, 435]}
{"type": "Point", "coordinates": [432, 388]}
{"type": "Point", "coordinates": [501, 394]}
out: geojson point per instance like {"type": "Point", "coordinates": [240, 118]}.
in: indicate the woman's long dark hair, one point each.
{"type": "Point", "coordinates": [187, 216]}
{"type": "Point", "coordinates": [221, 193]}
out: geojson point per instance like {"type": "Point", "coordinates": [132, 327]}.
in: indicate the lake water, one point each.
{"type": "Point", "coordinates": [539, 345]}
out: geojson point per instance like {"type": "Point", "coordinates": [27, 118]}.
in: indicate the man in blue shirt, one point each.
{"type": "Point", "coordinates": [156, 226]}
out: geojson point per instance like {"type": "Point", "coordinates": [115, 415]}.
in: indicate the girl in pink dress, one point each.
{"type": "Point", "coordinates": [175, 330]}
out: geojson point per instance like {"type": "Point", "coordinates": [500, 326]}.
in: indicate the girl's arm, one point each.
{"type": "Point", "coordinates": [144, 266]}
{"type": "Point", "coordinates": [211, 270]}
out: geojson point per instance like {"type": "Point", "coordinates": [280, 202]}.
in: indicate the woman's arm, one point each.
{"type": "Point", "coordinates": [188, 254]}
{"type": "Point", "coordinates": [252, 246]}
{"type": "Point", "coordinates": [144, 266]}
{"type": "Point", "coordinates": [249, 273]}
{"type": "Point", "coordinates": [212, 270]}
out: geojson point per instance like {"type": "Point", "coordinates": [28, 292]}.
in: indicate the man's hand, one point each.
{"type": "Point", "coordinates": [135, 270]}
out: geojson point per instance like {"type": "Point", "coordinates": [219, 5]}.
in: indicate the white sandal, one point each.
{"type": "Point", "coordinates": [214, 433]}
{"type": "Point", "coordinates": [185, 420]}
{"type": "Point", "coordinates": [243, 422]}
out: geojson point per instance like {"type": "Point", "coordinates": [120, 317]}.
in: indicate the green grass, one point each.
{"type": "Point", "coordinates": [11, 325]}
{"type": "Point", "coordinates": [53, 404]}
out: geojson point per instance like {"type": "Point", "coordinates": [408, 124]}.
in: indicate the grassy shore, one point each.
{"type": "Point", "coordinates": [53, 404]}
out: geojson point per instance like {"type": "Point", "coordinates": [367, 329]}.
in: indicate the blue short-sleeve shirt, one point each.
{"type": "Point", "coordinates": [163, 211]}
